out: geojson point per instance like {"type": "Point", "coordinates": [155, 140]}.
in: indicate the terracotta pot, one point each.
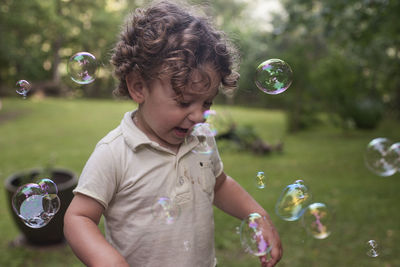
{"type": "Point", "coordinates": [51, 233]}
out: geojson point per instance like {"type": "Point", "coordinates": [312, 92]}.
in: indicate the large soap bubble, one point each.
{"type": "Point", "coordinates": [378, 159]}
{"type": "Point", "coordinates": [317, 220]}
{"type": "Point", "coordinates": [36, 204]}
{"type": "Point", "coordinates": [82, 68]}
{"type": "Point", "coordinates": [293, 200]}
{"type": "Point", "coordinates": [251, 236]}
{"type": "Point", "coordinates": [273, 76]}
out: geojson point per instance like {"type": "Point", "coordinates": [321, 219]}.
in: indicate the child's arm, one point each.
{"type": "Point", "coordinates": [234, 200]}
{"type": "Point", "coordinates": [84, 236]}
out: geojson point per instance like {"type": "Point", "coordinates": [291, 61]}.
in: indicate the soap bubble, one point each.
{"type": "Point", "coordinates": [376, 157]}
{"type": "Point", "coordinates": [165, 210]}
{"type": "Point", "coordinates": [292, 202]}
{"type": "Point", "coordinates": [251, 236]}
{"type": "Point", "coordinates": [82, 68]}
{"type": "Point", "coordinates": [393, 156]}
{"type": "Point", "coordinates": [372, 248]}
{"type": "Point", "coordinates": [260, 180]}
{"type": "Point", "coordinates": [273, 76]}
{"type": "Point", "coordinates": [205, 136]}
{"type": "Point", "coordinates": [23, 88]}
{"type": "Point", "coordinates": [219, 122]}
{"type": "Point", "coordinates": [35, 206]}
{"type": "Point", "coordinates": [317, 220]}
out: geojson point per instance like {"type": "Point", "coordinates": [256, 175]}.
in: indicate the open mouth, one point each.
{"type": "Point", "coordinates": [181, 132]}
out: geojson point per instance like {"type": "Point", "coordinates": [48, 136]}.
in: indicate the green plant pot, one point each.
{"type": "Point", "coordinates": [52, 233]}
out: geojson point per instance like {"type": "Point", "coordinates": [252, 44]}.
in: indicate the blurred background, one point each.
{"type": "Point", "coordinates": [345, 54]}
{"type": "Point", "coordinates": [345, 57]}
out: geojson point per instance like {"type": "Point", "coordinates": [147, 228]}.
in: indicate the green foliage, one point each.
{"type": "Point", "coordinates": [330, 163]}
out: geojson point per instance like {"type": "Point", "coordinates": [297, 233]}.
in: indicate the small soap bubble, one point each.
{"type": "Point", "coordinates": [205, 136]}
{"type": "Point", "coordinates": [23, 88]}
{"type": "Point", "coordinates": [251, 236]}
{"type": "Point", "coordinates": [165, 210]}
{"type": "Point", "coordinates": [51, 204]}
{"type": "Point", "coordinates": [260, 180]}
{"type": "Point", "coordinates": [377, 157]}
{"type": "Point", "coordinates": [372, 248]}
{"type": "Point", "coordinates": [82, 68]}
{"type": "Point", "coordinates": [48, 186]}
{"type": "Point", "coordinates": [292, 201]}
{"type": "Point", "coordinates": [317, 220]}
{"type": "Point", "coordinates": [35, 206]}
{"type": "Point", "coordinates": [273, 76]}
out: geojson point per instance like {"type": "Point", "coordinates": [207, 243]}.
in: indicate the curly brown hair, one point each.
{"type": "Point", "coordinates": [167, 39]}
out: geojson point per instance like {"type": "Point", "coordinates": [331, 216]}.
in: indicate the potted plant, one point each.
{"type": "Point", "coordinates": [52, 233]}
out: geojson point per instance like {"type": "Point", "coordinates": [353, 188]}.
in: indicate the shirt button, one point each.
{"type": "Point", "coordinates": [181, 180]}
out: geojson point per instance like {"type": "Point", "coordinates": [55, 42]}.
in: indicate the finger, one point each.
{"type": "Point", "coordinates": [276, 254]}
{"type": "Point", "coordinates": [263, 260]}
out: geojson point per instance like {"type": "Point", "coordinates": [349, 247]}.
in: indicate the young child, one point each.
{"type": "Point", "coordinates": [172, 63]}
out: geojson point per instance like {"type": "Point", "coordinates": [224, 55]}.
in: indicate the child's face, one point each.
{"type": "Point", "coordinates": [166, 118]}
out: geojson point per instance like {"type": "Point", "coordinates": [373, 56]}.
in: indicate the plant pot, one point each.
{"type": "Point", "coordinates": [52, 233]}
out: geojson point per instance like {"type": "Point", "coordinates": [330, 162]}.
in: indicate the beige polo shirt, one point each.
{"type": "Point", "coordinates": [127, 173]}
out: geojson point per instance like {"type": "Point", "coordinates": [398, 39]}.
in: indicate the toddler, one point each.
{"type": "Point", "coordinates": [172, 63]}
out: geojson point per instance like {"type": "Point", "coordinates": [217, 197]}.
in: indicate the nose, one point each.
{"type": "Point", "coordinates": [196, 115]}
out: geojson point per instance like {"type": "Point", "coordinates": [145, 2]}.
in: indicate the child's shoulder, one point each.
{"type": "Point", "coordinates": [112, 136]}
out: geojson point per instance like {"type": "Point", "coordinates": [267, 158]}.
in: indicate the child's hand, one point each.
{"type": "Point", "coordinates": [271, 236]}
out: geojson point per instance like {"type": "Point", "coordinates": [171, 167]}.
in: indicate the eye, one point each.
{"type": "Point", "coordinates": [183, 104]}
{"type": "Point", "coordinates": [207, 105]}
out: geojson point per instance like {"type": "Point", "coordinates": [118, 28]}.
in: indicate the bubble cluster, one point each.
{"type": "Point", "coordinates": [372, 248]}
{"type": "Point", "coordinates": [36, 204]}
{"type": "Point", "coordinates": [205, 136]}
{"type": "Point", "coordinates": [382, 157]}
{"type": "Point", "coordinates": [292, 201]}
{"type": "Point", "coordinates": [82, 68]}
{"type": "Point", "coordinates": [251, 236]}
{"type": "Point", "coordinates": [165, 210]}
{"type": "Point", "coordinates": [273, 76]}
{"type": "Point", "coordinates": [260, 180]}
{"type": "Point", "coordinates": [23, 88]}
{"type": "Point", "coordinates": [317, 220]}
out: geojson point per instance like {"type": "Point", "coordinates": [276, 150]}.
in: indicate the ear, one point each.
{"type": "Point", "coordinates": [135, 85]}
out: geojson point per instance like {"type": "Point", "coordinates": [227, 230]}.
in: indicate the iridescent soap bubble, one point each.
{"type": "Point", "coordinates": [165, 210]}
{"type": "Point", "coordinates": [219, 122]}
{"type": "Point", "coordinates": [251, 236]}
{"type": "Point", "coordinates": [292, 202]}
{"type": "Point", "coordinates": [273, 76]}
{"type": "Point", "coordinates": [261, 180]}
{"type": "Point", "coordinates": [393, 156]}
{"type": "Point", "coordinates": [205, 136]}
{"type": "Point", "coordinates": [23, 87]}
{"type": "Point", "coordinates": [35, 206]}
{"type": "Point", "coordinates": [82, 67]}
{"type": "Point", "coordinates": [372, 248]}
{"type": "Point", "coordinates": [317, 220]}
{"type": "Point", "coordinates": [376, 157]}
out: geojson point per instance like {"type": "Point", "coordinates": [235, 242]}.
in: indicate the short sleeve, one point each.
{"type": "Point", "coordinates": [99, 178]}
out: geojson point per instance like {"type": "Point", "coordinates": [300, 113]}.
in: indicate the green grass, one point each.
{"type": "Point", "coordinates": [327, 159]}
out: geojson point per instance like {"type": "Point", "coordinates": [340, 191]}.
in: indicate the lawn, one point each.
{"type": "Point", "coordinates": [330, 161]}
